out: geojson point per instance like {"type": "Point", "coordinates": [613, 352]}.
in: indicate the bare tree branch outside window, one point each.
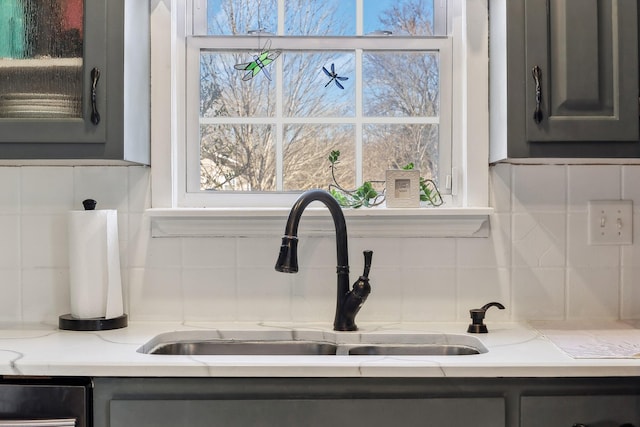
{"type": "Point", "coordinates": [237, 155]}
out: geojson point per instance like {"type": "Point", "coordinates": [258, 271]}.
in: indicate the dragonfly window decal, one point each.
{"type": "Point", "coordinates": [259, 63]}
{"type": "Point", "coordinates": [334, 76]}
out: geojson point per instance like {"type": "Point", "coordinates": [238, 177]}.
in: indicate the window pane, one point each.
{"type": "Point", "coordinates": [400, 17]}
{"type": "Point", "coordinates": [237, 158]}
{"type": "Point", "coordinates": [225, 17]}
{"type": "Point", "coordinates": [401, 84]}
{"type": "Point", "coordinates": [395, 146]}
{"type": "Point", "coordinates": [310, 92]}
{"type": "Point", "coordinates": [224, 93]}
{"type": "Point", "coordinates": [320, 17]}
{"type": "Point", "coordinates": [306, 156]}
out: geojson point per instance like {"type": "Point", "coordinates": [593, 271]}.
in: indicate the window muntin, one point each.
{"type": "Point", "coordinates": [295, 105]}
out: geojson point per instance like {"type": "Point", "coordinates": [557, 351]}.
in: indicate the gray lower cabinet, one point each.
{"type": "Point", "coordinates": [436, 412]}
{"type": "Point", "coordinates": [309, 402]}
{"type": "Point", "coordinates": [589, 411]}
{"type": "Point", "coordinates": [367, 402]}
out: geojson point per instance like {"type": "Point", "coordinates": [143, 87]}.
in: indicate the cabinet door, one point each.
{"type": "Point", "coordinates": [122, 91]}
{"type": "Point", "coordinates": [46, 89]}
{"type": "Point", "coordinates": [586, 52]}
{"type": "Point", "coordinates": [436, 412]}
{"type": "Point", "coordinates": [592, 411]}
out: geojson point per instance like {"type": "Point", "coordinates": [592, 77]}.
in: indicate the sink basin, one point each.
{"type": "Point", "coordinates": [256, 348]}
{"type": "Point", "coordinates": [311, 343]}
{"type": "Point", "coordinates": [414, 350]}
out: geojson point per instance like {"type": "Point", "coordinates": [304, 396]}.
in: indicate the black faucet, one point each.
{"type": "Point", "coordinates": [348, 302]}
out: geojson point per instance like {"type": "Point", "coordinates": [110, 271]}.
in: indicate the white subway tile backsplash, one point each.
{"type": "Point", "coordinates": [434, 252]}
{"type": "Point", "coordinates": [139, 189]}
{"type": "Point", "coordinates": [631, 253]}
{"type": "Point", "coordinates": [313, 294]}
{"type": "Point", "coordinates": [536, 261]}
{"type": "Point", "coordinates": [592, 182]}
{"type": "Point", "coordinates": [10, 242]}
{"type": "Point", "coordinates": [385, 301]}
{"type": "Point", "coordinates": [210, 253]}
{"type": "Point", "coordinates": [11, 291]}
{"type": "Point", "coordinates": [539, 188]}
{"type": "Point", "coordinates": [258, 252]}
{"type": "Point", "coordinates": [494, 251]}
{"type": "Point", "coordinates": [539, 239]}
{"type": "Point", "coordinates": [10, 194]}
{"type": "Point", "coordinates": [45, 295]}
{"type": "Point", "coordinates": [47, 190]}
{"type": "Point", "coordinates": [155, 294]}
{"type": "Point", "coordinates": [139, 232]}
{"type": "Point", "coordinates": [593, 293]}
{"type": "Point", "coordinates": [428, 294]}
{"type": "Point", "coordinates": [263, 294]}
{"type": "Point", "coordinates": [478, 286]}
{"type": "Point", "coordinates": [538, 293]}
{"type": "Point", "coordinates": [209, 294]}
{"type": "Point", "coordinates": [105, 184]}
{"type": "Point", "coordinates": [500, 187]}
{"type": "Point", "coordinates": [630, 293]}
{"type": "Point", "coordinates": [163, 253]}
{"type": "Point", "coordinates": [44, 241]}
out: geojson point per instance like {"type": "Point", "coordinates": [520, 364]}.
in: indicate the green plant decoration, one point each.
{"type": "Point", "coordinates": [428, 189]}
{"type": "Point", "coordinates": [367, 196]}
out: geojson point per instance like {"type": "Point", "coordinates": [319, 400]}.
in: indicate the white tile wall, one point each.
{"type": "Point", "coordinates": [536, 261]}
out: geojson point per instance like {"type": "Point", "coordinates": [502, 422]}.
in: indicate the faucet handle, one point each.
{"type": "Point", "coordinates": [368, 255]}
{"type": "Point", "coordinates": [477, 315]}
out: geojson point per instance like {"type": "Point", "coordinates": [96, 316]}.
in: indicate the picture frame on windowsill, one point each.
{"type": "Point", "coordinates": [403, 188]}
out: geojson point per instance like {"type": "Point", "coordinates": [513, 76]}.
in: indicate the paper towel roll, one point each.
{"type": "Point", "coordinates": [94, 264]}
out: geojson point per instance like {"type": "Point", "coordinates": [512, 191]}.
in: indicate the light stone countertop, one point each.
{"type": "Point", "coordinates": [514, 350]}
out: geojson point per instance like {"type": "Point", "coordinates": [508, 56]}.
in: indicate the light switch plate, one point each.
{"type": "Point", "coordinates": [610, 222]}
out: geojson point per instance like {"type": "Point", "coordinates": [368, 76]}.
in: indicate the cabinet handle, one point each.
{"type": "Point", "coordinates": [95, 116]}
{"type": "Point", "coordinates": [537, 76]}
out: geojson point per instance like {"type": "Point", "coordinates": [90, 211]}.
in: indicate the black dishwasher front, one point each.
{"type": "Point", "coordinates": [45, 402]}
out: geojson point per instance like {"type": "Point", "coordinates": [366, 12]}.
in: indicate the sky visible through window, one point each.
{"type": "Point", "coordinates": [372, 11]}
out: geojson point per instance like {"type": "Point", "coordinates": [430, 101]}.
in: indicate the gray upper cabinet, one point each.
{"type": "Point", "coordinates": [571, 74]}
{"type": "Point", "coordinates": [105, 78]}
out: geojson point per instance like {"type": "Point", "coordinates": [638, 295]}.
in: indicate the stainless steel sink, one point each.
{"type": "Point", "coordinates": [414, 350]}
{"type": "Point", "coordinates": [242, 348]}
{"type": "Point", "coordinates": [311, 343]}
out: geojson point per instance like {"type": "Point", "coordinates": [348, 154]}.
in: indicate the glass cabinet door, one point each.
{"type": "Point", "coordinates": [52, 70]}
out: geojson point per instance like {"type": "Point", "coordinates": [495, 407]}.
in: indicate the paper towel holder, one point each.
{"type": "Point", "coordinates": [69, 323]}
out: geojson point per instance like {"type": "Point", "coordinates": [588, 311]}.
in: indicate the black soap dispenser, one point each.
{"type": "Point", "coordinates": [477, 316]}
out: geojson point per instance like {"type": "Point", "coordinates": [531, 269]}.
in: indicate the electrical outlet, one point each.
{"type": "Point", "coordinates": [610, 222]}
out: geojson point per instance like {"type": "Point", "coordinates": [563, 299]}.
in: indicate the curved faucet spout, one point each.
{"type": "Point", "coordinates": [288, 257]}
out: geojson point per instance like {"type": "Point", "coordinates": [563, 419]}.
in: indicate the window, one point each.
{"type": "Point", "coordinates": [265, 132]}
{"type": "Point", "coordinates": [300, 118]}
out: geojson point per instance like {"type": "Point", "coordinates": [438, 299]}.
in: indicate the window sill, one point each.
{"type": "Point", "coordinates": [270, 222]}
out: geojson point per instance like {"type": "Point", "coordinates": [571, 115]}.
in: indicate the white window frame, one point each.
{"type": "Point", "coordinates": [467, 215]}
